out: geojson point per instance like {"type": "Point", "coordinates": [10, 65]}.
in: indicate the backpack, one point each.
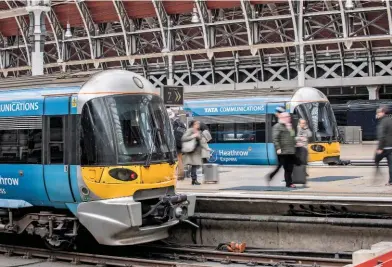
{"type": "Point", "coordinates": [179, 129]}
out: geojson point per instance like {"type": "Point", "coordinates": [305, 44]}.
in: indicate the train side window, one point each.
{"type": "Point", "coordinates": [21, 140]}
{"type": "Point", "coordinates": [56, 140]}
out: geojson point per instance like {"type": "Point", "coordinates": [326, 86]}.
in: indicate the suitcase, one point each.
{"type": "Point", "coordinates": [211, 173]}
{"type": "Point", "coordinates": [299, 174]}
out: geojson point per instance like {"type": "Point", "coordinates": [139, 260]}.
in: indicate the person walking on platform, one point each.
{"type": "Point", "coordinates": [302, 139]}
{"type": "Point", "coordinates": [192, 147]}
{"type": "Point", "coordinates": [279, 110]}
{"type": "Point", "coordinates": [179, 128]}
{"type": "Point", "coordinates": [206, 137]}
{"type": "Point", "coordinates": [283, 137]}
{"type": "Point", "coordinates": [384, 135]}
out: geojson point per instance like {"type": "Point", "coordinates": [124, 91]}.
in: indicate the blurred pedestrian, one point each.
{"type": "Point", "coordinates": [179, 128]}
{"type": "Point", "coordinates": [283, 137]}
{"type": "Point", "coordinates": [278, 111]}
{"type": "Point", "coordinates": [302, 139]}
{"type": "Point", "coordinates": [384, 135]}
{"type": "Point", "coordinates": [192, 147]}
{"type": "Point", "coordinates": [206, 137]}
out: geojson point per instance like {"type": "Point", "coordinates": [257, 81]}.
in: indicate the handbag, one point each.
{"type": "Point", "coordinates": [189, 146]}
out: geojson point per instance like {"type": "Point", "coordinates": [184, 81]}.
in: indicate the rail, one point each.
{"type": "Point", "coordinates": [179, 257]}
{"type": "Point", "coordinates": [250, 259]}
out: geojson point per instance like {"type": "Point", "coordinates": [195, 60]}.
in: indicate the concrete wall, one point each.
{"type": "Point", "coordinates": [325, 238]}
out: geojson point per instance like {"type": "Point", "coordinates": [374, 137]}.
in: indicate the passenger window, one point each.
{"type": "Point", "coordinates": [21, 146]}
{"type": "Point", "coordinates": [56, 140]}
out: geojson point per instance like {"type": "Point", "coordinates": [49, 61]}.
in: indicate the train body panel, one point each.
{"type": "Point", "coordinates": [102, 155]}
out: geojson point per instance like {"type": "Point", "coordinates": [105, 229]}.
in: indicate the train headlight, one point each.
{"type": "Point", "coordinates": [179, 212]}
{"type": "Point", "coordinates": [318, 148]}
{"type": "Point", "coordinates": [122, 174]}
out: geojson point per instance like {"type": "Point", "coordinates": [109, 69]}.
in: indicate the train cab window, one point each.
{"type": "Point", "coordinates": [56, 140]}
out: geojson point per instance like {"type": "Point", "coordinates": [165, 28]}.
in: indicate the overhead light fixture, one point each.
{"type": "Point", "coordinates": [327, 54]}
{"type": "Point", "coordinates": [349, 4]}
{"type": "Point", "coordinates": [68, 33]}
{"type": "Point", "coordinates": [269, 60]}
{"type": "Point", "coordinates": [195, 16]}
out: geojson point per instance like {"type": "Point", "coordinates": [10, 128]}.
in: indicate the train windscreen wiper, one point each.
{"type": "Point", "coordinates": [149, 156]}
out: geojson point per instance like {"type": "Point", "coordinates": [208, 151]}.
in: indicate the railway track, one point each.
{"type": "Point", "coordinates": [173, 257]}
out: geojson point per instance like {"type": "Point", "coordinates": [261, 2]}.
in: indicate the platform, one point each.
{"type": "Point", "coordinates": [322, 180]}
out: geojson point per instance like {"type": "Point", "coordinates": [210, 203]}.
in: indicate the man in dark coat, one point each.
{"type": "Point", "coordinates": [283, 136]}
{"type": "Point", "coordinates": [279, 110]}
{"type": "Point", "coordinates": [384, 135]}
{"type": "Point", "coordinates": [179, 128]}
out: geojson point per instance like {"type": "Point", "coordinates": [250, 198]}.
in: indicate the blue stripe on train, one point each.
{"type": "Point", "coordinates": [243, 154]}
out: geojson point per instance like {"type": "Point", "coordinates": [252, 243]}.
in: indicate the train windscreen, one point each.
{"type": "Point", "coordinates": [321, 120]}
{"type": "Point", "coordinates": [126, 129]}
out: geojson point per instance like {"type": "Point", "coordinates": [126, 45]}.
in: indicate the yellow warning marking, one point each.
{"type": "Point", "coordinates": [74, 104]}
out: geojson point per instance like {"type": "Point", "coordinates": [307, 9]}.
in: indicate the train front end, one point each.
{"type": "Point", "coordinates": [313, 106]}
{"type": "Point", "coordinates": [128, 162]}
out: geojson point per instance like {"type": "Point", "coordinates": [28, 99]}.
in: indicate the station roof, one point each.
{"type": "Point", "coordinates": [144, 35]}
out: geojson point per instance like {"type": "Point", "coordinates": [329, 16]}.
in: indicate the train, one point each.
{"type": "Point", "coordinates": [360, 113]}
{"type": "Point", "coordinates": [99, 157]}
{"type": "Point", "coordinates": [241, 128]}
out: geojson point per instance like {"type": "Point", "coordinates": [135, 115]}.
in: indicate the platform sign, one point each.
{"type": "Point", "coordinates": [173, 95]}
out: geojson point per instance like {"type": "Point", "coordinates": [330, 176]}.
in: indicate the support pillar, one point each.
{"type": "Point", "coordinates": [170, 74]}
{"type": "Point", "coordinates": [373, 92]}
{"type": "Point", "coordinates": [301, 47]}
{"type": "Point", "coordinates": [37, 10]}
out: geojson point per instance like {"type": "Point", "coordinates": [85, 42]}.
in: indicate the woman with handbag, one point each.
{"type": "Point", "coordinates": [192, 147]}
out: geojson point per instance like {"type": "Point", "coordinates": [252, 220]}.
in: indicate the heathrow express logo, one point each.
{"type": "Point", "coordinates": [228, 155]}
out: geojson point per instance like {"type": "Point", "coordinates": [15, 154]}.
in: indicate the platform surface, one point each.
{"type": "Point", "coordinates": [365, 150]}
{"type": "Point", "coordinates": [322, 180]}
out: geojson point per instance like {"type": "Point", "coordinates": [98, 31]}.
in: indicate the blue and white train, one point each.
{"type": "Point", "coordinates": [101, 156]}
{"type": "Point", "coordinates": [241, 128]}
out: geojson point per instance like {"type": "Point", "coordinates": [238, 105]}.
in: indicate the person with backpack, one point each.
{"type": "Point", "coordinates": [179, 128]}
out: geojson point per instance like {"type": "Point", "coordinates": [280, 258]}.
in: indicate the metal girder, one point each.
{"type": "Point", "coordinates": [88, 25]}
{"type": "Point", "coordinates": [15, 12]}
{"type": "Point", "coordinates": [58, 32]}
{"type": "Point", "coordinates": [203, 16]}
{"type": "Point", "coordinates": [247, 10]}
{"type": "Point", "coordinates": [348, 44]}
{"type": "Point", "coordinates": [23, 28]}
{"type": "Point", "coordinates": [163, 21]}
{"type": "Point", "coordinates": [389, 12]}
{"type": "Point", "coordinates": [369, 45]}
{"type": "Point", "coordinates": [336, 27]}
{"type": "Point", "coordinates": [127, 24]}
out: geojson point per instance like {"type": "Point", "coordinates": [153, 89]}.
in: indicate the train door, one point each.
{"type": "Point", "coordinates": [56, 167]}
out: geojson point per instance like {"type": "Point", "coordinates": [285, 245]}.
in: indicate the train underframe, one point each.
{"type": "Point", "coordinates": [59, 228]}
